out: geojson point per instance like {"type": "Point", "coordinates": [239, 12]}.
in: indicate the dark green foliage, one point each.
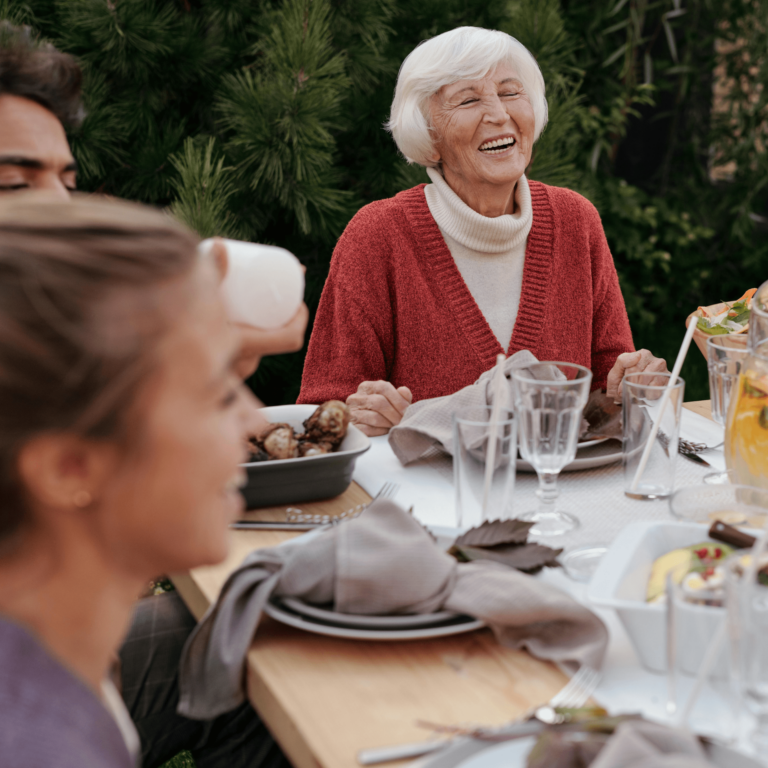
{"type": "Point", "coordinates": [262, 120]}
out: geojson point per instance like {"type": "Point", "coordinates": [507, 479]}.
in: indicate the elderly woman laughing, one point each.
{"type": "Point", "coordinates": [426, 288]}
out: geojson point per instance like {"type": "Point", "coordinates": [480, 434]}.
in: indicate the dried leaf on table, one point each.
{"type": "Point", "coordinates": [494, 532]}
{"type": "Point", "coordinates": [524, 557]}
{"type": "Point", "coordinates": [603, 416]}
{"type": "Point", "coordinates": [562, 750]}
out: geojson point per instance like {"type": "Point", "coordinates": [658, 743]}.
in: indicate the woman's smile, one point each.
{"type": "Point", "coordinates": [498, 145]}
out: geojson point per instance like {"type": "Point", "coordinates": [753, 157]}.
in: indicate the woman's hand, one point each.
{"type": "Point", "coordinates": [641, 361]}
{"type": "Point", "coordinates": [377, 406]}
{"type": "Point", "coordinates": [255, 343]}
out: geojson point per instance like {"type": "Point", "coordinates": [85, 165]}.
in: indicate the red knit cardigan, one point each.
{"type": "Point", "coordinates": [395, 307]}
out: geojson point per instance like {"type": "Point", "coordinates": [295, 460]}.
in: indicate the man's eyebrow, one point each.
{"type": "Point", "coordinates": [28, 162]}
{"type": "Point", "coordinates": [21, 162]}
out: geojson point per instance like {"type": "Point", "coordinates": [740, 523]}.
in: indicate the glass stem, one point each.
{"type": "Point", "coordinates": [548, 492]}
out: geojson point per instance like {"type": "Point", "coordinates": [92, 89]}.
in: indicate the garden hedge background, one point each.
{"type": "Point", "coordinates": [262, 120]}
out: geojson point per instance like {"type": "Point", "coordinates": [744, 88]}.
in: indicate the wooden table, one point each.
{"type": "Point", "coordinates": [325, 698]}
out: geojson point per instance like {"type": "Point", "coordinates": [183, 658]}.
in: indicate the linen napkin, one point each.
{"type": "Point", "coordinates": [428, 424]}
{"type": "Point", "coordinates": [641, 744]}
{"type": "Point", "coordinates": [383, 562]}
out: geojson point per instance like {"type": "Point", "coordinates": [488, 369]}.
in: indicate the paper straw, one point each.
{"type": "Point", "coordinates": [497, 388]}
{"type": "Point", "coordinates": [713, 650]}
{"type": "Point", "coordinates": [664, 400]}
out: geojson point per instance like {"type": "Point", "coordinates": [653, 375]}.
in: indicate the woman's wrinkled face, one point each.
{"type": "Point", "coordinates": [484, 128]}
{"type": "Point", "coordinates": [175, 490]}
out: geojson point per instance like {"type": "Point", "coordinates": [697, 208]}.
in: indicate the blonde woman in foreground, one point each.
{"type": "Point", "coordinates": [122, 425]}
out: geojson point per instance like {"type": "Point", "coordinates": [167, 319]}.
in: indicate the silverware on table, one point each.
{"type": "Point", "coordinates": [296, 520]}
{"type": "Point", "coordinates": [693, 457]}
{"type": "Point", "coordinates": [573, 695]}
{"type": "Point", "coordinates": [273, 525]}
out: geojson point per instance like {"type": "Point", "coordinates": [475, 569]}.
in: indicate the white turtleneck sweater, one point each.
{"type": "Point", "coordinates": [489, 252]}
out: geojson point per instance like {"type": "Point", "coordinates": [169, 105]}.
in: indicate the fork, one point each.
{"type": "Point", "coordinates": [578, 689]}
{"type": "Point", "coordinates": [292, 515]}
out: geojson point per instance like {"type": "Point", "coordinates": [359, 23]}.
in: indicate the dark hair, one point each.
{"type": "Point", "coordinates": [84, 297]}
{"type": "Point", "coordinates": [38, 72]}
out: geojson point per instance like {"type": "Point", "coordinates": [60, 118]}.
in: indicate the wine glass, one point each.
{"type": "Point", "coordinates": [549, 401]}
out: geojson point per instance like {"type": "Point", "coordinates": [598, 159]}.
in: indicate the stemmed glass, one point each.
{"type": "Point", "coordinates": [549, 401]}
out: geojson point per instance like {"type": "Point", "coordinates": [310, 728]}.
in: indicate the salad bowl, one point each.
{"type": "Point", "coordinates": [737, 336]}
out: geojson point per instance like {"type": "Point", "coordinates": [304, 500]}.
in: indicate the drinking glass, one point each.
{"type": "Point", "coordinates": [724, 361]}
{"type": "Point", "coordinates": [732, 504]}
{"type": "Point", "coordinates": [747, 603]}
{"type": "Point", "coordinates": [642, 398]}
{"type": "Point", "coordinates": [471, 438]}
{"type": "Point", "coordinates": [695, 614]}
{"type": "Point", "coordinates": [757, 339]}
{"type": "Point", "coordinates": [549, 412]}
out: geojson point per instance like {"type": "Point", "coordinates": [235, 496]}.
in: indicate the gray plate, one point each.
{"type": "Point", "coordinates": [290, 481]}
{"type": "Point", "coordinates": [472, 753]}
{"type": "Point", "coordinates": [410, 621]}
{"type": "Point", "coordinates": [457, 627]}
{"type": "Point", "coordinates": [598, 454]}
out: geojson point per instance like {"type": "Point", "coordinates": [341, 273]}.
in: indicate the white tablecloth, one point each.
{"type": "Point", "coordinates": [596, 497]}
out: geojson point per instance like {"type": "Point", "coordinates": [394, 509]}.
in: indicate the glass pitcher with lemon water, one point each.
{"type": "Point", "coordinates": [746, 431]}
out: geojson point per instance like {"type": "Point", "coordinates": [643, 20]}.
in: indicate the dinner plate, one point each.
{"type": "Point", "coordinates": [327, 616]}
{"type": "Point", "coordinates": [595, 454]}
{"type": "Point", "coordinates": [473, 753]}
{"type": "Point", "coordinates": [458, 626]}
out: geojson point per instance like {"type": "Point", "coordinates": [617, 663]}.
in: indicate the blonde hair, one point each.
{"type": "Point", "coordinates": [83, 303]}
{"type": "Point", "coordinates": [465, 53]}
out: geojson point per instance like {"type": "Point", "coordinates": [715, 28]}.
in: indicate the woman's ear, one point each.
{"type": "Point", "coordinates": [63, 472]}
{"type": "Point", "coordinates": [220, 258]}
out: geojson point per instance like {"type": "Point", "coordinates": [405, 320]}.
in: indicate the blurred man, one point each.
{"type": "Point", "coordinates": [40, 96]}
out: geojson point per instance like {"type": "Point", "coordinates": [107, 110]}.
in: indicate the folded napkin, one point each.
{"type": "Point", "coordinates": [428, 424]}
{"type": "Point", "coordinates": [383, 562]}
{"type": "Point", "coordinates": [641, 744]}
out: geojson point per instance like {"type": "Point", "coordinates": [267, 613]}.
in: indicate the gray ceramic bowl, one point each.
{"type": "Point", "coordinates": [289, 481]}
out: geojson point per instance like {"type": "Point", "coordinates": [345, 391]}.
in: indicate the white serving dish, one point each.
{"type": "Point", "coordinates": [621, 580]}
{"type": "Point", "coordinates": [290, 481]}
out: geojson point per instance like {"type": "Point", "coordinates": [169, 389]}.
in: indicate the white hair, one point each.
{"type": "Point", "coordinates": [465, 53]}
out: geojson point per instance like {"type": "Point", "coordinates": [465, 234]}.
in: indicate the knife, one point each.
{"type": "Point", "coordinates": [695, 457]}
{"type": "Point", "coordinates": [516, 730]}
{"type": "Point", "coordinates": [273, 525]}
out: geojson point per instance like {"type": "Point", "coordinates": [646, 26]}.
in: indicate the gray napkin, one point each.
{"type": "Point", "coordinates": [428, 424]}
{"type": "Point", "coordinates": [382, 562]}
{"type": "Point", "coordinates": [640, 744]}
